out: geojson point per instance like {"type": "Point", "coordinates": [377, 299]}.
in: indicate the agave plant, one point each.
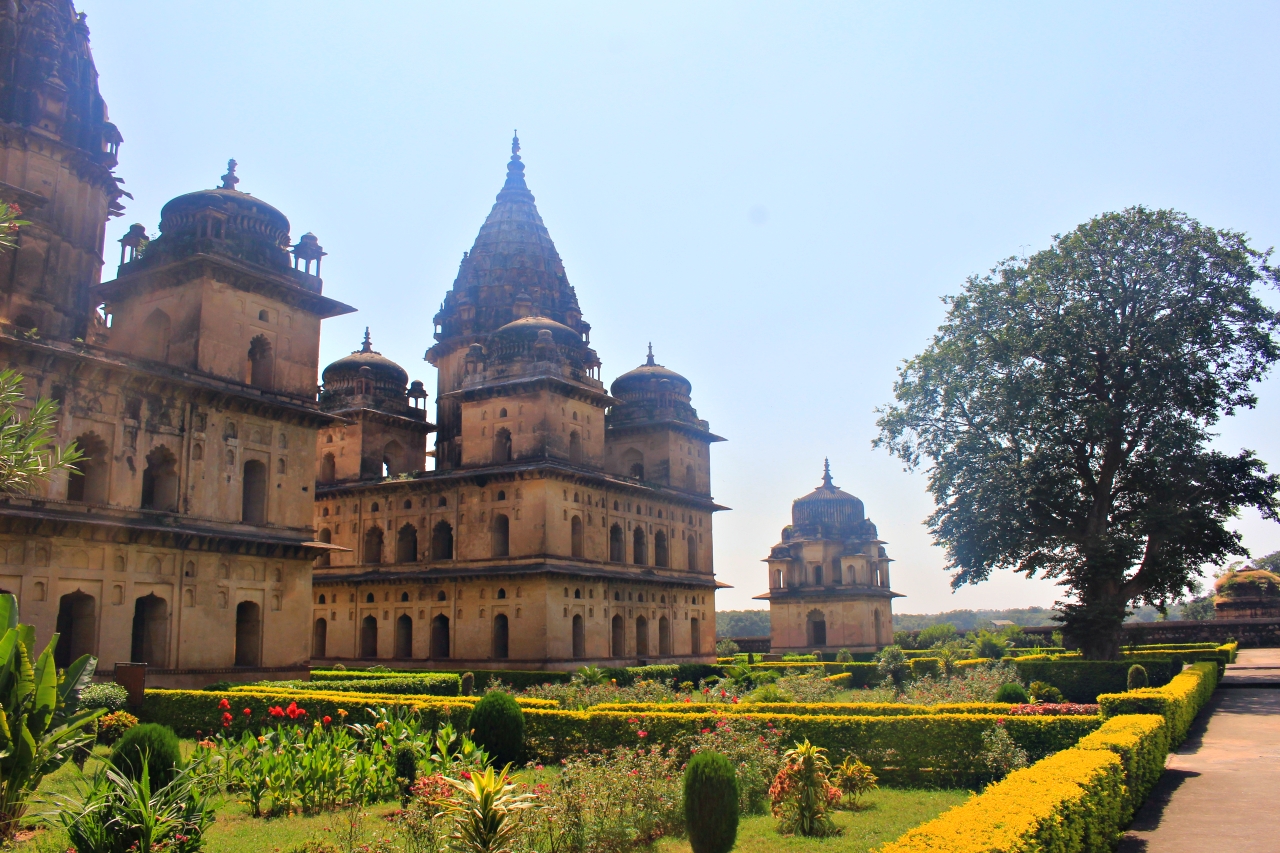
{"type": "Point", "coordinates": [591, 675]}
{"type": "Point", "coordinates": [486, 811]}
{"type": "Point", "coordinates": [41, 723]}
{"type": "Point", "coordinates": [802, 793]}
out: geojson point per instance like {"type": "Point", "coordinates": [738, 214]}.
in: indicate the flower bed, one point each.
{"type": "Point", "coordinates": [859, 709]}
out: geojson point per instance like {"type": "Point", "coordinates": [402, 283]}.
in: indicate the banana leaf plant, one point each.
{"type": "Point", "coordinates": [41, 723]}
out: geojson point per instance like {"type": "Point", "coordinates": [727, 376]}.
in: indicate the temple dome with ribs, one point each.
{"type": "Point", "coordinates": [366, 374]}
{"type": "Point", "coordinates": [829, 509]}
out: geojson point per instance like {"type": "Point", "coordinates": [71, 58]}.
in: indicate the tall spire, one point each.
{"type": "Point", "coordinates": [826, 473]}
{"type": "Point", "coordinates": [368, 344]}
{"type": "Point", "coordinates": [515, 189]}
{"type": "Point", "coordinates": [229, 180]}
{"type": "Point", "coordinates": [650, 362]}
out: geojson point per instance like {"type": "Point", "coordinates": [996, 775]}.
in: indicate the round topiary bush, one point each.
{"type": "Point", "coordinates": [1137, 677]}
{"type": "Point", "coordinates": [497, 724]}
{"type": "Point", "coordinates": [1013, 693]}
{"type": "Point", "coordinates": [710, 803]}
{"type": "Point", "coordinates": [158, 743]}
{"type": "Point", "coordinates": [110, 696]}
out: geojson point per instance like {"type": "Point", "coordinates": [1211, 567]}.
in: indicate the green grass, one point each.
{"type": "Point", "coordinates": [883, 816]}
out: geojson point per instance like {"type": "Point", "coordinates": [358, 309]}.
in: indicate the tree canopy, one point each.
{"type": "Point", "coordinates": [1066, 407]}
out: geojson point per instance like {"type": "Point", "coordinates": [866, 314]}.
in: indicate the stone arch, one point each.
{"type": "Point", "coordinates": [617, 637]}
{"type": "Point", "coordinates": [502, 445]}
{"type": "Point", "coordinates": [695, 637]}
{"type": "Point", "coordinates": [77, 628]}
{"type": "Point", "coordinates": [575, 536]}
{"type": "Point", "coordinates": [320, 638]}
{"type": "Point", "coordinates": [253, 496]}
{"type": "Point", "coordinates": [664, 636]}
{"type": "Point", "coordinates": [815, 628]}
{"type": "Point", "coordinates": [439, 637]}
{"type": "Point", "coordinates": [153, 337]}
{"type": "Point", "coordinates": [501, 637]}
{"type": "Point", "coordinates": [160, 480]}
{"type": "Point", "coordinates": [373, 545]}
{"type": "Point", "coordinates": [617, 545]}
{"type": "Point", "coordinates": [501, 535]}
{"type": "Point", "coordinates": [87, 480]}
{"type": "Point", "coordinates": [261, 363]}
{"type": "Point", "coordinates": [579, 636]}
{"type": "Point", "coordinates": [642, 637]}
{"type": "Point", "coordinates": [442, 541]}
{"type": "Point", "coordinates": [690, 479]}
{"type": "Point", "coordinates": [407, 544]}
{"type": "Point", "coordinates": [369, 637]}
{"type": "Point", "coordinates": [150, 635]}
{"type": "Point", "coordinates": [393, 458]}
{"type": "Point", "coordinates": [817, 575]}
{"type": "Point", "coordinates": [575, 447]}
{"type": "Point", "coordinates": [660, 557]}
{"type": "Point", "coordinates": [404, 636]}
{"type": "Point", "coordinates": [328, 468]}
{"type": "Point", "coordinates": [248, 634]}
{"type": "Point", "coordinates": [639, 546]}
{"type": "Point", "coordinates": [633, 463]}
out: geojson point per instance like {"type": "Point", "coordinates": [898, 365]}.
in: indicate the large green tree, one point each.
{"type": "Point", "coordinates": [1066, 406]}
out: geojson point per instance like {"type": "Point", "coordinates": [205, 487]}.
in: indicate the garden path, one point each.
{"type": "Point", "coordinates": [1218, 788]}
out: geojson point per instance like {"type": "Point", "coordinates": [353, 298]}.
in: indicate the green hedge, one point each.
{"type": "Point", "coordinates": [923, 667]}
{"type": "Point", "coordinates": [1178, 702]}
{"type": "Point", "coordinates": [1083, 680]}
{"type": "Point", "coordinates": [517, 678]}
{"type": "Point", "coordinates": [425, 684]}
{"type": "Point", "coordinates": [1142, 742]}
{"type": "Point", "coordinates": [672, 673]}
{"type": "Point", "coordinates": [839, 709]}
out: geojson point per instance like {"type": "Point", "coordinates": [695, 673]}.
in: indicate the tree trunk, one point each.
{"type": "Point", "coordinates": [1095, 624]}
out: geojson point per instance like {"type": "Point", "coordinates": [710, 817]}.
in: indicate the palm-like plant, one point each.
{"type": "Point", "coordinates": [802, 794]}
{"type": "Point", "coordinates": [486, 811]}
{"type": "Point", "coordinates": [591, 675]}
{"type": "Point", "coordinates": [41, 723]}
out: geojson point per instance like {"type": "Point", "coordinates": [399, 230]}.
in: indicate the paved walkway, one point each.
{"type": "Point", "coordinates": [1218, 791]}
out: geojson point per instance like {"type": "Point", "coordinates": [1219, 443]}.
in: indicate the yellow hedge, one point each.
{"type": "Point", "coordinates": [1177, 702]}
{"type": "Point", "coordinates": [1142, 742]}
{"type": "Point", "coordinates": [1071, 801]}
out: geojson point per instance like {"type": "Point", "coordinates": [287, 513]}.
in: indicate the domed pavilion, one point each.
{"type": "Point", "coordinates": [1248, 594]}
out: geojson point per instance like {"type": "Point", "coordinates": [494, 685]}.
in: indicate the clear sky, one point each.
{"type": "Point", "coordinates": [775, 194]}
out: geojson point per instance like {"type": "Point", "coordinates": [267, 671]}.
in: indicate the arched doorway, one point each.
{"type": "Point", "coordinates": [261, 363]}
{"type": "Point", "coordinates": [160, 481]}
{"type": "Point", "coordinates": [320, 638]}
{"type": "Point", "coordinates": [501, 535]}
{"type": "Point", "coordinates": [815, 628]}
{"type": "Point", "coordinates": [440, 636]}
{"type": "Point", "coordinates": [575, 536]}
{"type": "Point", "coordinates": [691, 544]}
{"type": "Point", "coordinates": [617, 546]}
{"type": "Point", "coordinates": [253, 501]}
{"type": "Point", "coordinates": [248, 634]}
{"type": "Point", "coordinates": [87, 479]}
{"type": "Point", "coordinates": [328, 468]}
{"type": "Point", "coordinates": [501, 637]}
{"type": "Point", "coordinates": [690, 479]}
{"type": "Point", "coordinates": [407, 544]}
{"type": "Point", "coordinates": [642, 637]}
{"type": "Point", "coordinates": [660, 550]}
{"type": "Point", "coordinates": [664, 636]}
{"type": "Point", "coordinates": [639, 547]}
{"type": "Point", "coordinates": [633, 463]}
{"type": "Point", "coordinates": [77, 628]}
{"type": "Point", "coordinates": [404, 636]}
{"type": "Point", "coordinates": [393, 459]}
{"type": "Point", "coordinates": [150, 638]}
{"type": "Point", "coordinates": [817, 575]}
{"type": "Point", "coordinates": [579, 636]}
{"type": "Point", "coordinates": [442, 541]}
{"type": "Point", "coordinates": [373, 545]}
{"type": "Point", "coordinates": [575, 447]}
{"type": "Point", "coordinates": [618, 637]}
{"type": "Point", "coordinates": [502, 445]}
{"type": "Point", "coordinates": [695, 637]}
{"type": "Point", "coordinates": [369, 637]}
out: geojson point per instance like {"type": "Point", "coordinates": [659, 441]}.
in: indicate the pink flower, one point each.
{"type": "Point", "coordinates": [642, 734]}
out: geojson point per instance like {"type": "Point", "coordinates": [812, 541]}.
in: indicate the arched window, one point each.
{"type": "Point", "coordinates": [617, 637]}
{"type": "Point", "coordinates": [253, 502]}
{"type": "Point", "coordinates": [407, 544]}
{"type": "Point", "coordinates": [691, 544]}
{"type": "Point", "coordinates": [502, 445]}
{"type": "Point", "coordinates": [439, 636]}
{"type": "Point", "coordinates": [261, 363]}
{"type": "Point", "coordinates": [442, 541]}
{"type": "Point", "coordinates": [248, 634]}
{"type": "Point", "coordinates": [633, 463]}
{"type": "Point", "coordinates": [393, 459]}
{"type": "Point", "coordinates": [404, 636]}
{"type": "Point", "coordinates": [77, 628]}
{"type": "Point", "coordinates": [642, 637]}
{"type": "Point", "coordinates": [320, 638]}
{"type": "Point", "coordinates": [368, 598]}
{"type": "Point", "coordinates": [817, 575]}
{"type": "Point", "coordinates": [579, 636]}
{"type": "Point", "coordinates": [373, 545]}
{"type": "Point", "coordinates": [328, 468]}
{"type": "Point", "coordinates": [440, 596]}
{"type": "Point", "coordinates": [501, 637]}
{"type": "Point", "coordinates": [577, 593]}
{"type": "Point", "coordinates": [639, 547]}
{"type": "Point", "coordinates": [326, 536]}
{"type": "Point", "coordinates": [369, 637]}
{"type": "Point", "coordinates": [695, 637]}
{"type": "Point", "coordinates": [617, 545]}
{"type": "Point", "coordinates": [660, 558]}
{"type": "Point", "coordinates": [87, 480]}
{"type": "Point", "coordinates": [160, 481]}
{"type": "Point", "coordinates": [153, 339]}
{"type": "Point", "coordinates": [150, 640]}
{"type": "Point", "coordinates": [690, 479]}
{"type": "Point", "coordinates": [502, 413]}
{"type": "Point", "coordinates": [815, 628]}
{"type": "Point", "coordinates": [664, 636]}
{"type": "Point", "coordinates": [575, 447]}
{"type": "Point", "coordinates": [575, 536]}
{"type": "Point", "coordinates": [404, 596]}
{"type": "Point", "coordinates": [501, 535]}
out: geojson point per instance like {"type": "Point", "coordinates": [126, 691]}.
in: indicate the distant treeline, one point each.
{"type": "Point", "coordinates": [742, 623]}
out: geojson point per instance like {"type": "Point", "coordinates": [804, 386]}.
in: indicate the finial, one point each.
{"type": "Point", "coordinates": [650, 362]}
{"type": "Point", "coordinates": [826, 472]}
{"type": "Point", "coordinates": [515, 145]}
{"type": "Point", "coordinates": [229, 180]}
{"type": "Point", "coordinates": [368, 344]}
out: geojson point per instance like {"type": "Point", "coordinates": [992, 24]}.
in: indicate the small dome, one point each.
{"type": "Point", "coordinates": [1250, 583]}
{"type": "Point", "coordinates": [528, 327]}
{"type": "Point", "coordinates": [649, 377]}
{"type": "Point", "coordinates": [382, 368]}
{"type": "Point", "coordinates": [827, 507]}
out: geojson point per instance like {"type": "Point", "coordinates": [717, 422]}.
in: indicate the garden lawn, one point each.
{"type": "Point", "coordinates": [883, 816]}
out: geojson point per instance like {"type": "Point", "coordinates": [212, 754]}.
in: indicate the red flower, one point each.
{"type": "Point", "coordinates": [224, 705]}
{"type": "Point", "coordinates": [706, 731]}
{"type": "Point", "coordinates": [327, 719]}
{"type": "Point", "coordinates": [226, 718]}
{"type": "Point", "coordinates": [642, 734]}
{"type": "Point", "coordinates": [277, 711]}
{"type": "Point", "coordinates": [248, 712]}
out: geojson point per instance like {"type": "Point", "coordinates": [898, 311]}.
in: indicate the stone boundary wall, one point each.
{"type": "Point", "coordinates": [1250, 633]}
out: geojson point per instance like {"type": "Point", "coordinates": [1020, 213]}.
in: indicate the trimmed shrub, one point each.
{"type": "Point", "coordinates": [1013, 693]}
{"type": "Point", "coordinates": [497, 724]}
{"type": "Point", "coordinates": [1142, 742]}
{"type": "Point", "coordinates": [924, 667]}
{"type": "Point", "coordinates": [1178, 702]}
{"type": "Point", "coordinates": [110, 696]}
{"type": "Point", "coordinates": [467, 684]}
{"type": "Point", "coordinates": [427, 684]}
{"type": "Point", "coordinates": [710, 803]}
{"type": "Point", "coordinates": [1083, 680]}
{"type": "Point", "coordinates": [1137, 678]}
{"type": "Point", "coordinates": [160, 746]}
{"type": "Point", "coordinates": [406, 770]}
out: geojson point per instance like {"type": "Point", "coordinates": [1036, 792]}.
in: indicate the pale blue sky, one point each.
{"type": "Point", "coordinates": [774, 194]}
